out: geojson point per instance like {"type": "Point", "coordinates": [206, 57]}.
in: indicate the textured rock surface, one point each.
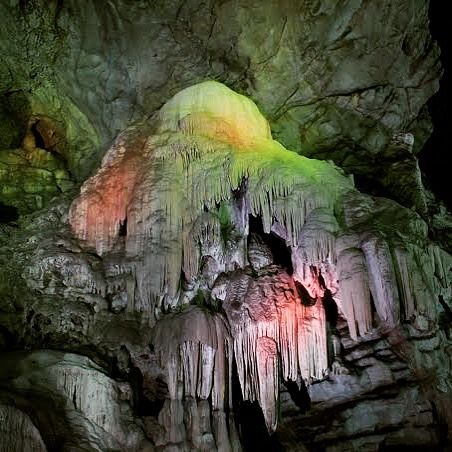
{"type": "Point", "coordinates": [359, 283]}
{"type": "Point", "coordinates": [72, 402]}
{"type": "Point", "coordinates": [357, 309]}
{"type": "Point", "coordinates": [337, 80]}
{"type": "Point", "coordinates": [18, 432]}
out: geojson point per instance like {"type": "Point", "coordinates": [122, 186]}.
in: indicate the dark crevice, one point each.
{"type": "Point", "coordinates": [40, 143]}
{"type": "Point", "coordinates": [322, 280]}
{"type": "Point", "coordinates": [23, 5]}
{"type": "Point", "coordinates": [445, 317]}
{"type": "Point", "coordinates": [447, 310]}
{"type": "Point", "coordinates": [306, 299]}
{"type": "Point", "coordinates": [372, 305]}
{"type": "Point", "coordinates": [39, 129]}
{"type": "Point", "coordinates": [143, 405]}
{"type": "Point", "coordinates": [8, 339]}
{"type": "Point", "coordinates": [74, 397]}
{"type": "Point", "coordinates": [250, 421]}
{"type": "Point", "coordinates": [331, 310]}
{"type": "Point", "coordinates": [123, 228]}
{"type": "Point", "coordinates": [371, 186]}
{"type": "Point", "coordinates": [299, 395]}
{"type": "Point", "coordinates": [280, 252]}
{"type": "Point", "coordinates": [442, 426]}
{"type": "Point", "coordinates": [8, 214]}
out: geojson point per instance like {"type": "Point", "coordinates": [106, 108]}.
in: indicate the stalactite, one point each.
{"type": "Point", "coordinates": [268, 376]}
{"type": "Point", "coordinates": [271, 329]}
{"type": "Point", "coordinates": [442, 263]}
{"type": "Point", "coordinates": [208, 141]}
{"type": "Point", "coordinates": [414, 269]}
{"type": "Point", "coordinates": [204, 236]}
{"type": "Point", "coordinates": [382, 280]}
{"type": "Point", "coordinates": [312, 345]}
{"type": "Point", "coordinates": [317, 237]}
{"type": "Point", "coordinates": [354, 291]}
{"type": "Point", "coordinates": [186, 191]}
{"type": "Point", "coordinates": [198, 343]}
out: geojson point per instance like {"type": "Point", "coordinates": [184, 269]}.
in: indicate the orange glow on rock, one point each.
{"type": "Point", "coordinates": [272, 330]}
{"type": "Point", "coordinates": [97, 214]}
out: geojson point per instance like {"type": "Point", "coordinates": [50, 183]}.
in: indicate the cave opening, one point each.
{"type": "Point", "coordinates": [7, 339]}
{"type": "Point", "coordinates": [8, 214]}
{"type": "Point", "coordinates": [146, 402]}
{"type": "Point", "coordinates": [445, 317]}
{"type": "Point", "coordinates": [371, 186]}
{"type": "Point", "coordinates": [278, 247]}
{"type": "Point", "coordinates": [123, 228]}
{"type": "Point", "coordinates": [303, 293]}
{"type": "Point", "coordinates": [39, 140]}
{"type": "Point", "coordinates": [250, 421]}
{"type": "Point", "coordinates": [331, 310]}
{"type": "Point", "coordinates": [49, 136]}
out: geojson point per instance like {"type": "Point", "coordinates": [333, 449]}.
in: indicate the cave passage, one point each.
{"type": "Point", "coordinates": [433, 158]}
{"type": "Point", "coordinates": [299, 395]}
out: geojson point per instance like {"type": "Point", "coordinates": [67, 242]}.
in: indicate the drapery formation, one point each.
{"type": "Point", "coordinates": [174, 196]}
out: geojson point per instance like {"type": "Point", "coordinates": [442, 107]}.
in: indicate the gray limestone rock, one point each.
{"type": "Point", "coordinates": [70, 400]}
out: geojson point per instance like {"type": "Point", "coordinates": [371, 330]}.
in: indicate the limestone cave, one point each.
{"type": "Point", "coordinates": [225, 225]}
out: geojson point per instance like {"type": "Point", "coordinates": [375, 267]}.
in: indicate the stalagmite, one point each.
{"type": "Point", "coordinates": [171, 418]}
{"type": "Point", "coordinates": [225, 433]}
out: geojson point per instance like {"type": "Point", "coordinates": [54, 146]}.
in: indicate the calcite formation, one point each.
{"type": "Point", "coordinates": [174, 196]}
{"type": "Point", "coordinates": [86, 408]}
{"type": "Point", "coordinates": [214, 288]}
{"type": "Point", "coordinates": [274, 335]}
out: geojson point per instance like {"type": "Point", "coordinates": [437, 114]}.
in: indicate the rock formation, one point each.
{"type": "Point", "coordinates": [206, 288]}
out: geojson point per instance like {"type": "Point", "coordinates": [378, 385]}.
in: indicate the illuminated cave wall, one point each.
{"type": "Point", "coordinates": [206, 288]}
